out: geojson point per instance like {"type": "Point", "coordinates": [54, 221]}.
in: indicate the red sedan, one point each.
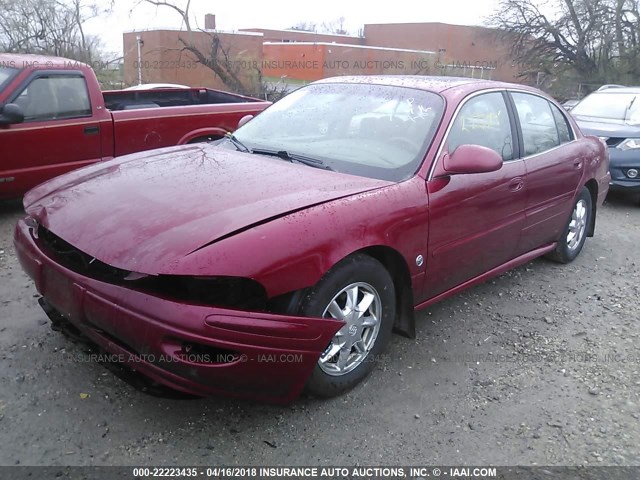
{"type": "Point", "coordinates": [283, 256]}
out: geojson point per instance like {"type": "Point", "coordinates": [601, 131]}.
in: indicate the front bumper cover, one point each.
{"type": "Point", "coordinates": [196, 349]}
{"type": "Point", "coordinates": [620, 185]}
{"type": "Point", "coordinates": [620, 162]}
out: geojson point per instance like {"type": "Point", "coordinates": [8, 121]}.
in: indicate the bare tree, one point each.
{"type": "Point", "coordinates": [49, 27]}
{"type": "Point", "coordinates": [306, 26]}
{"type": "Point", "coordinates": [335, 26]}
{"type": "Point", "coordinates": [595, 40]}
{"type": "Point", "coordinates": [215, 56]}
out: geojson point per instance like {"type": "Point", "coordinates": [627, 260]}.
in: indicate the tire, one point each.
{"type": "Point", "coordinates": [575, 233]}
{"type": "Point", "coordinates": [358, 276]}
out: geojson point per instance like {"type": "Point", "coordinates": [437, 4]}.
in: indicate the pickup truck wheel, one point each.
{"type": "Point", "coordinates": [360, 292]}
{"type": "Point", "coordinates": [575, 233]}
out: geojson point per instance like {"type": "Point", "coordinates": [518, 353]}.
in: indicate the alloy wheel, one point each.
{"type": "Point", "coordinates": [359, 306]}
{"type": "Point", "coordinates": [578, 225]}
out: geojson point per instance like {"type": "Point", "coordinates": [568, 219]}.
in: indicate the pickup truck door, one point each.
{"type": "Point", "coordinates": [475, 219]}
{"type": "Point", "coordinates": [60, 131]}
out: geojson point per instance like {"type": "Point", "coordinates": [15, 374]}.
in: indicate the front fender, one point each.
{"type": "Point", "coordinates": [296, 250]}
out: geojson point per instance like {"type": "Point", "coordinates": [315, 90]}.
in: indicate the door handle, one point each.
{"type": "Point", "coordinates": [91, 130]}
{"type": "Point", "coordinates": [516, 184]}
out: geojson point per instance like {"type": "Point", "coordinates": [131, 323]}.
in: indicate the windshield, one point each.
{"type": "Point", "coordinates": [6, 74]}
{"type": "Point", "coordinates": [610, 105]}
{"type": "Point", "coordinates": [375, 131]}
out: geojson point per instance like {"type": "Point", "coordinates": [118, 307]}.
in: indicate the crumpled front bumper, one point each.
{"type": "Point", "coordinates": [196, 349]}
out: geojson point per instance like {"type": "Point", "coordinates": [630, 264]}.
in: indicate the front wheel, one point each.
{"type": "Point", "coordinates": [575, 233]}
{"type": "Point", "coordinates": [360, 292]}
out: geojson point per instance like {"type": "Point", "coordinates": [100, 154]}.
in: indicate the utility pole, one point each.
{"type": "Point", "coordinates": [140, 43]}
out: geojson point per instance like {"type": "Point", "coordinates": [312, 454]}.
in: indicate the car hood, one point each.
{"type": "Point", "coordinates": [607, 128]}
{"type": "Point", "coordinates": [145, 211]}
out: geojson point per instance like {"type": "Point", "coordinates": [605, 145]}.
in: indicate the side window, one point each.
{"type": "Point", "coordinates": [484, 121]}
{"type": "Point", "coordinates": [562, 124]}
{"type": "Point", "coordinates": [539, 131]}
{"type": "Point", "coordinates": [55, 97]}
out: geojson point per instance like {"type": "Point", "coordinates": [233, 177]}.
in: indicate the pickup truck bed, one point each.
{"type": "Point", "coordinates": [69, 122]}
{"type": "Point", "coordinates": [169, 97]}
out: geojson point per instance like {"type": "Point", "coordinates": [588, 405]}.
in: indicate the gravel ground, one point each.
{"type": "Point", "coordinates": [538, 367]}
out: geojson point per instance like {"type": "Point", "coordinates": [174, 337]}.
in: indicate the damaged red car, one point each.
{"type": "Point", "coordinates": [283, 257]}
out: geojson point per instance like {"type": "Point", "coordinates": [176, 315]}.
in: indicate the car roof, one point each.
{"type": "Point", "coordinates": [433, 84]}
{"type": "Point", "coordinates": [614, 90]}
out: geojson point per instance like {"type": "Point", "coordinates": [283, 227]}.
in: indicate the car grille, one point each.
{"type": "Point", "coordinates": [70, 257]}
{"type": "Point", "coordinates": [226, 292]}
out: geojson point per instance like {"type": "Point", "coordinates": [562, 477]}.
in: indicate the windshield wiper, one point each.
{"type": "Point", "coordinates": [294, 157]}
{"type": "Point", "coordinates": [629, 107]}
{"type": "Point", "coordinates": [631, 103]}
{"type": "Point", "coordinates": [237, 143]}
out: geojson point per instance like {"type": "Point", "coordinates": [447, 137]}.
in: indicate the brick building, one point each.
{"type": "Point", "coordinates": [312, 61]}
{"type": "Point", "coordinates": [163, 58]}
{"type": "Point", "coordinates": [293, 56]}
{"type": "Point", "coordinates": [288, 36]}
{"type": "Point", "coordinates": [462, 50]}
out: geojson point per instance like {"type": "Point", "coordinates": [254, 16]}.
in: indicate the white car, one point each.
{"type": "Point", "coordinates": [156, 86]}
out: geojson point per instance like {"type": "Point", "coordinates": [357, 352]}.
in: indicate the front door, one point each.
{"type": "Point", "coordinates": [59, 132]}
{"type": "Point", "coordinates": [475, 219]}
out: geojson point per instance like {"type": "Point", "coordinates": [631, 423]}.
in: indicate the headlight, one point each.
{"type": "Point", "coordinates": [226, 292]}
{"type": "Point", "coordinates": [632, 173]}
{"type": "Point", "coordinates": [629, 144]}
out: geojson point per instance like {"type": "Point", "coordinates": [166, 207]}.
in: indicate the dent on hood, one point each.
{"type": "Point", "coordinates": [144, 218]}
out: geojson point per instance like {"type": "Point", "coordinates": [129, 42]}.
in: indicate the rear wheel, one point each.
{"type": "Point", "coordinates": [360, 292]}
{"type": "Point", "coordinates": [575, 233]}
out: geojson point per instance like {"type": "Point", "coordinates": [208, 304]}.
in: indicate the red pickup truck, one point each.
{"type": "Point", "coordinates": [54, 118]}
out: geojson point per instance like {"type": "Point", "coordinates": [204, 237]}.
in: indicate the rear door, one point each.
{"type": "Point", "coordinates": [59, 132]}
{"type": "Point", "coordinates": [554, 165]}
{"type": "Point", "coordinates": [475, 219]}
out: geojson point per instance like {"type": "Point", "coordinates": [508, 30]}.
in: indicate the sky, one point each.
{"type": "Point", "coordinates": [135, 15]}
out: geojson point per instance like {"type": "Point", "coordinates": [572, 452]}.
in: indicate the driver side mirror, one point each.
{"type": "Point", "coordinates": [472, 159]}
{"type": "Point", "coordinates": [244, 120]}
{"type": "Point", "coordinates": [11, 113]}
